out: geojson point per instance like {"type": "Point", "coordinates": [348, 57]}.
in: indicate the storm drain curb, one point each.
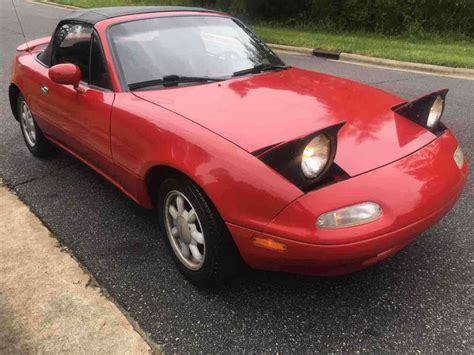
{"type": "Point", "coordinates": [300, 50]}
{"type": "Point", "coordinates": [326, 54]}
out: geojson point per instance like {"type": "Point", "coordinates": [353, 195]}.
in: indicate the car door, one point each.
{"type": "Point", "coordinates": [81, 117]}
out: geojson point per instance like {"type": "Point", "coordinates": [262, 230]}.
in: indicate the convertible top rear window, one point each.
{"type": "Point", "coordinates": [45, 56]}
{"type": "Point", "coordinates": [193, 46]}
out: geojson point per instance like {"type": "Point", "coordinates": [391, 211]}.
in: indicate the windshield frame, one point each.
{"type": "Point", "coordinates": [116, 60]}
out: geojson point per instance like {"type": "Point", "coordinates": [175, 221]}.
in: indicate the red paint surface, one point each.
{"type": "Point", "coordinates": [65, 74]}
{"type": "Point", "coordinates": [207, 132]}
{"type": "Point", "coordinates": [414, 192]}
{"type": "Point", "coordinates": [34, 44]}
{"type": "Point", "coordinates": [258, 111]}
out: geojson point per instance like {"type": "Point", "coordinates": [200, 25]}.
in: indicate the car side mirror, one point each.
{"type": "Point", "coordinates": [66, 74]}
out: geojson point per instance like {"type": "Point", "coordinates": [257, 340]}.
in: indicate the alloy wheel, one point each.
{"type": "Point", "coordinates": [28, 124]}
{"type": "Point", "coordinates": [184, 230]}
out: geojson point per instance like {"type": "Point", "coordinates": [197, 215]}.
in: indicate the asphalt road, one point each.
{"type": "Point", "coordinates": [419, 300]}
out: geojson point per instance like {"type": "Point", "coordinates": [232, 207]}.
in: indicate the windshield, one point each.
{"type": "Point", "coordinates": [192, 46]}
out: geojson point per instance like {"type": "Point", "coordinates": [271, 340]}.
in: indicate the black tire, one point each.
{"type": "Point", "coordinates": [222, 260]}
{"type": "Point", "coordinates": [41, 147]}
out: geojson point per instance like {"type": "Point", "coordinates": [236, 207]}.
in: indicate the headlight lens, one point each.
{"type": "Point", "coordinates": [459, 157]}
{"type": "Point", "coordinates": [316, 156]}
{"type": "Point", "coordinates": [350, 216]}
{"type": "Point", "coordinates": [435, 112]}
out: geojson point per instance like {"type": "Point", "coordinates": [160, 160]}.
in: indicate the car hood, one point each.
{"type": "Point", "coordinates": [258, 111]}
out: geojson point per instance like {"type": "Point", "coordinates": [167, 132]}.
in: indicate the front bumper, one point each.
{"type": "Point", "coordinates": [414, 192]}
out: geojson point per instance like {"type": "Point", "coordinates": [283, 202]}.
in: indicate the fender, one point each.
{"type": "Point", "coordinates": [145, 135]}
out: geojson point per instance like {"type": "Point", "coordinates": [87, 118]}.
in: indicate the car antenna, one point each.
{"type": "Point", "coordinates": [21, 27]}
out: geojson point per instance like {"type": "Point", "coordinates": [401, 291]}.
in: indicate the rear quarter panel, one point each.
{"type": "Point", "coordinates": [28, 74]}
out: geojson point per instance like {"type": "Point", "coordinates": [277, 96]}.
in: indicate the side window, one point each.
{"type": "Point", "coordinates": [98, 68]}
{"type": "Point", "coordinates": [72, 45]}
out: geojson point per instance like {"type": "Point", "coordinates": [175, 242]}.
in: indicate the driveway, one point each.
{"type": "Point", "coordinates": [419, 300]}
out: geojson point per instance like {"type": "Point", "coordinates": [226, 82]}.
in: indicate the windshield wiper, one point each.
{"type": "Point", "coordinates": [258, 68]}
{"type": "Point", "coordinates": [172, 80]}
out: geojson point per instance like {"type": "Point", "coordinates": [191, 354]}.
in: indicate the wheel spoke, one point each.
{"type": "Point", "coordinates": [198, 237]}
{"type": "Point", "coordinates": [173, 212]}
{"type": "Point", "coordinates": [174, 232]}
{"type": "Point", "coordinates": [185, 215]}
{"type": "Point", "coordinates": [192, 217]}
{"type": "Point", "coordinates": [180, 204]}
{"type": "Point", "coordinates": [195, 252]}
{"type": "Point", "coordinates": [185, 250]}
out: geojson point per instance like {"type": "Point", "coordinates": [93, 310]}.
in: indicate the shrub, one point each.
{"type": "Point", "coordinates": [390, 17]}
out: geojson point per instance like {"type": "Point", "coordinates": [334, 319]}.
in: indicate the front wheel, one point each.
{"type": "Point", "coordinates": [35, 140]}
{"type": "Point", "coordinates": [201, 245]}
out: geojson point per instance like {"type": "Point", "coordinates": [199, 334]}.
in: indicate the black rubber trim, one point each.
{"type": "Point", "coordinates": [95, 15]}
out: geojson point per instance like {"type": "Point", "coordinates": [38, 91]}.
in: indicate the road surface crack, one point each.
{"type": "Point", "coordinates": [53, 173]}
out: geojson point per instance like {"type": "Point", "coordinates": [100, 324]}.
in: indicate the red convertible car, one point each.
{"type": "Point", "coordinates": [244, 158]}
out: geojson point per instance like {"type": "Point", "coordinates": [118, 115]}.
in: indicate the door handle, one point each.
{"type": "Point", "coordinates": [44, 89]}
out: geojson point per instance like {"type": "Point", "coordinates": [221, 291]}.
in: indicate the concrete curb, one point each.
{"type": "Point", "coordinates": [49, 303]}
{"type": "Point", "coordinates": [428, 68]}
{"type": "Point", "coordinates": [389, 63]}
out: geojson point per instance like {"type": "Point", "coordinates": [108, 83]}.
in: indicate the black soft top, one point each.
{"type": "Point", "coordinates": [92, 16]}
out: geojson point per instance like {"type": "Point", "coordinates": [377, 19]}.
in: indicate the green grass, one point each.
{"type": "Point", "coordinates": [439, 51]}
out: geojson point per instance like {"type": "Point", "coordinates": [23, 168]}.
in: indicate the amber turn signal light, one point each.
{"type": "Point", "coordinates": [269, 244]}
